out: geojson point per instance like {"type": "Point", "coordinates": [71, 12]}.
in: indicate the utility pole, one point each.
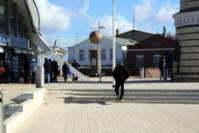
{"type": "Point", "coordinates": [113, 32]}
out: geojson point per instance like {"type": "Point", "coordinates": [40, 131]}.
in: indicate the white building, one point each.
{"type": "Point", "coordinates": [81, 51]}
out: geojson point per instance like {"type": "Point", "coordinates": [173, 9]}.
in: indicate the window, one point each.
{"type": "Point", "coordinates": [81, 55]}
{"type": "Point", "coordinates": [156, 60]}
{"type": "Point", "coordinates": [103, 54]}
{"type": "Point", "coordinates": [139, 61]}
{"type": "Point", "coordinates": [89, 54]}
{"type": "Point", "coordinates": [111, 54]}
{"type": "Point", "coordinates": [156, 43]}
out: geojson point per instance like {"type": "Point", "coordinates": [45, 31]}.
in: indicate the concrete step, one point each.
{"type": "Point", "coordinates": [142, 96]}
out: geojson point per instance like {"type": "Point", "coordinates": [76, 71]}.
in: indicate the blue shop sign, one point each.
{"type": "Point", "coordinates": [4, 40]}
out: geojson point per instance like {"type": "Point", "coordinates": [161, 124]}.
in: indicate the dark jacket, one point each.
{"type": "Point", "coordinates": [65, 69]}
{"type": "Point", "coordinates": [120, 74]}
{"type": "Point", "coordinates": [47, 66]}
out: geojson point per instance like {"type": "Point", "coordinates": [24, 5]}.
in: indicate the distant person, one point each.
{"type": "Point", "coordinates": [120, 74]}
{"type": "Point", "coordinates": [75, 65]}
{"type": "Point", "coordinates": [7, 72]}
{"type": "Point", "coordinates": [47, 67]}
{"type": "Point", "coordinates": [2, 71]}
{"type": "Point", "coordinates": [26, 70]}
{"type": "Point", "coordinates": [161, 68]}
{"type": "Point", "coordinates": [56, 70]}
{"type": "Point", "coordinates": [164, 69]}
{"type": "Point", "coordinates": [65, 70]}
{"type": "Point", "coordinates": [33, 69]}
{"type": "Point", "coordinates": [51, 70]}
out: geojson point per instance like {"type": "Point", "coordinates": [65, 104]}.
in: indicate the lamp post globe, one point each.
{"type": "Point", "coordinates": [95, 37]}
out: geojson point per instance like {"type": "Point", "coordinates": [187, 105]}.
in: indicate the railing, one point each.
{"type": "Point", "coordinates": [13, 41]}
{"type": "Point", "coordinates": [72, 69]}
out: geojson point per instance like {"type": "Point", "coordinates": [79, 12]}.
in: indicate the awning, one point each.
{"type": "Point", "coordinates": [41, 43]}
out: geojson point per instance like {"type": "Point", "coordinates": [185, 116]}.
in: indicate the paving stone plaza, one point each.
{"type": "Point", "coordinates": [93, 108]}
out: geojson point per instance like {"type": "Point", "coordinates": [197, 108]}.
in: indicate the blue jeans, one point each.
{"type": "Point", "coordinates": [48, 77]}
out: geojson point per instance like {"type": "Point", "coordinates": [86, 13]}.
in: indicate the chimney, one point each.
{"type": "Point", "coordinates": [117, 32]}
{"type": "Point", "coordinates": [164, 31]}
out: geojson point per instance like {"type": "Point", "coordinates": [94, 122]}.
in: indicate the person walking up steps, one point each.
{"type": "Point", "coordinates": [120, 74]}
{"type": "Point", "coordinates": [65, 70]}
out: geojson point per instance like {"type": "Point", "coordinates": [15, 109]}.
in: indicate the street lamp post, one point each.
{"type": "Point", "coordinates": [113, 32]}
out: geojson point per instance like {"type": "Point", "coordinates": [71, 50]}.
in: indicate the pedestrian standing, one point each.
{"type": "Point", "coordinates": [45, 69]}
{"type": "Point", "coordinates": [75, 65]}
{"type": "Point", "coordinates": [164, 69]}
{"type": "Point", "coordinates": [7, 71]}
{"type": "Point", "coordinates": [26, 70]}
{"type": "Point", "coordinates": [120, 74]}
{"type": "Point", "coordinates": [33, 68]}
{"type": "Point", "coordinates": [56, 70]}
{"type": "Point", "coordinates": [2, 71]}
{"type": "Point", "coordinates": [65, 70]}
{"type": "Point", "coordinates": [47, 66]}
{"type": "Point", "coordinates": [161, 68]}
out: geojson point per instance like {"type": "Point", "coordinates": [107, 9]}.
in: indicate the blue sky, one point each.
{"type": "Point", "coordinates": [71, 21]}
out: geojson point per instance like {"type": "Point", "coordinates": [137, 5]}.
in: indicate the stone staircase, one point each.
{"type": "Point", "coordinates": [76, 72]}
{"type": "Point", "coordinates": [133, 96]}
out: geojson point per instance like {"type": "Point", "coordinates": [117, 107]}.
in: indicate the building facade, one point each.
{"type": "Point", "coordinates": [81, 53]}
{"type": "Point", "coordinates": [186, 67]}
{"type": "Point", "coordinates": [20, 36]}
{"type": "Point", "coordinates": [147, 53]}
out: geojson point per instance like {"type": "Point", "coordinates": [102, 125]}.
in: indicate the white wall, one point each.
{"type": "Point", "coordinates": [86, 46]}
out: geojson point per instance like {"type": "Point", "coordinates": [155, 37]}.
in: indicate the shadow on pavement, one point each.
{"type": "Point", "coordinates": [108, 82]}
{"type": "Point", "coordinates": [78, 100]}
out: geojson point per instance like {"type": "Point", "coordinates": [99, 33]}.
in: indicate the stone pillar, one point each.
{"type": "Point", "coordinates": [40, 73]}
{"type": "Point", "coordinates": [40, 77]}
{"type": "Point", "coordinates": [186, 67]}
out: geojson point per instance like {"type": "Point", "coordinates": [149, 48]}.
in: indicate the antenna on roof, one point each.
{"type": "Point", "coordinates": [133, 20]}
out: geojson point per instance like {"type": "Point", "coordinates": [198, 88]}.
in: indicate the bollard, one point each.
{"type": "Point", "coordinates": [142, 72]}
{"type": "Point", "coordinates": [40, 77]}
{"type": "Point", "coordinates": [1, 114]}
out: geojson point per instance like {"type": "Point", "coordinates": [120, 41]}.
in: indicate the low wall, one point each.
{"type": "Point", "coordinates": [28, 108]}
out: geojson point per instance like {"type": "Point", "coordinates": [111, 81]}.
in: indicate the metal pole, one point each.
{"type": "Point", "coordinates": [113, 31]}
{"type": "Point", "coordinates": [99, 58]}
{"type": "Point", "coordinates": [1, 113]}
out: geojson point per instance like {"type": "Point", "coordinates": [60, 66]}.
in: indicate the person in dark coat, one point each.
{"type": "Point", "coordinates": [45, 70]}
{"type": "Point", "coordinates": [56, 70]}
{"type": "Point", "coordinates": [7, 71]}
{"type": "Point", "coordinates": [120, 74]}
{"type": "Point", "coordinates": [33, 69]}
{"type": "Point", "coordinates": [26, 70]}
{"type": "Point", "coordinates": [65, 70]}
{"type": "Point", "coordinates": [161, 68]}
{"type": "Point", "coordinates": [52, 71]}
{"type": "Point", "coordinates": [47, 67]}
{"type": "Point", "coordinates": [75, 65]}
{"type": "Point", "coordinates": [2, 71]}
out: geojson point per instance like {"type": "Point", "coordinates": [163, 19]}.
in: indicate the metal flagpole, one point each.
{"type": "Point", "coordinates": [113, 31]}
{"type": "Point", "coordinates": [99, 58]}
